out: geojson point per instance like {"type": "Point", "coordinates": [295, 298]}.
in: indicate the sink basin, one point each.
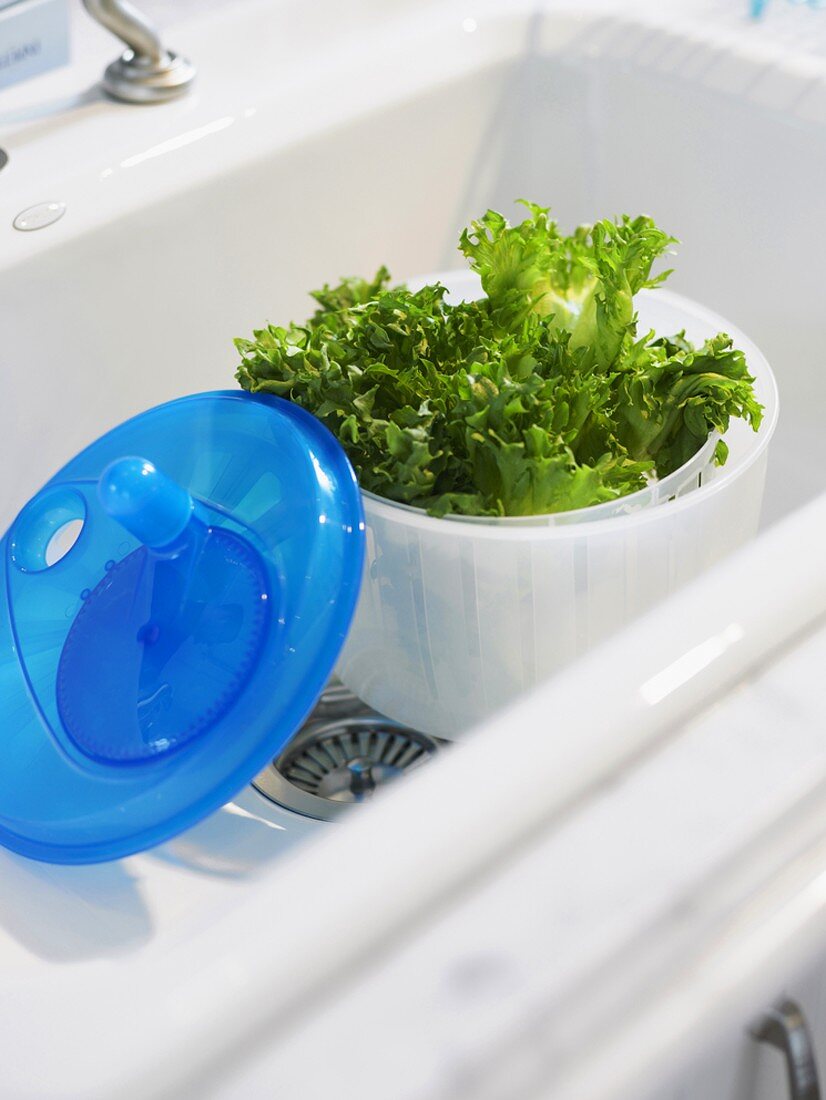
{"type": "Point", "coordinates": [321, 142]}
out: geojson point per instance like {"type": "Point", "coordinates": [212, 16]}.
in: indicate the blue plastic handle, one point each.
{"type": "Point", "coordinates": [150, 505]}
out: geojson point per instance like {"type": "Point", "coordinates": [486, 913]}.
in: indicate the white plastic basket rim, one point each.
{"type": "Point", "coordinates": [652, 502]}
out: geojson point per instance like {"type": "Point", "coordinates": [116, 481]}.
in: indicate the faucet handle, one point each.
{"type": "Point", "coordinates": [146, 72]}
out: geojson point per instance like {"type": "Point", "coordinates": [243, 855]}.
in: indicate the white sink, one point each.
{"type": "Point", "coordinates": [324, 140]}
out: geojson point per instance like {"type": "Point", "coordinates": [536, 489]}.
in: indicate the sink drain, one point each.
{"type": "Point", "coordinates": [330, 765]}
{"type": "Point", "coordinates": [4, 158]}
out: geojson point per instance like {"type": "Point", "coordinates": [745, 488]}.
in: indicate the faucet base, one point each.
{"type": "Point", "coordinates": [135, 79]}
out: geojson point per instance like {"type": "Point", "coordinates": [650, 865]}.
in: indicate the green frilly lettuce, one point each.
{"type": "Point", "coordinates": [540, 397]}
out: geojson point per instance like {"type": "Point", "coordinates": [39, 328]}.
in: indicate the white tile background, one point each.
{"type": "Point", "coordinates": [170, 11]}
{"type": "Point", "coordinates": [790, 25]}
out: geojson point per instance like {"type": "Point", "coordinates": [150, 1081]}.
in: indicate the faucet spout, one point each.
{"type": "Point", "coordinates": [147, 72]}
{"type": "Point", "coordinates": [127, 23]}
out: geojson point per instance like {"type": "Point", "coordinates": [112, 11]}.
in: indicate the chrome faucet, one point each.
{"type": "Point", "coordinates": [147, 72]}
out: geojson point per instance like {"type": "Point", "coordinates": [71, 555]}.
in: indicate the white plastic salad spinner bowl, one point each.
{"type": "Point", "coordinates": [458, 616]}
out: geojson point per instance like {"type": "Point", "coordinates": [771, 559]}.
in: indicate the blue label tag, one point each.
{"type": "Point", "coordinates": [759, 6]}
{"type": "Point", "coordinates": [34, 38]}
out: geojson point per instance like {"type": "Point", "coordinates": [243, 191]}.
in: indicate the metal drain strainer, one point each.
{"type": "Point", "coordinates": [331, 764]}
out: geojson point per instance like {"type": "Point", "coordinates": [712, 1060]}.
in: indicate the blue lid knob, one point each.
{"type": "Point", "coordinates": [150, 505]}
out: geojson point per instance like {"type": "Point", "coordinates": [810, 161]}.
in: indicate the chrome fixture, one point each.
{"type": "Point", "coordinates": [329, 766]}
{"type": "Point", "coordinates": [341, 756]}
{"type": "Point", "coordinates": [784, 1027]}
{"type": "Point", "coordinates": [147, 72]}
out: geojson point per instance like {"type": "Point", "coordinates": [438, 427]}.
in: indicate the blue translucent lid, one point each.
{"type": "Point", "coordinates": [173, 602]}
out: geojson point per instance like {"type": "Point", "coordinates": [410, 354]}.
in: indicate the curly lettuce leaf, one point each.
{"type": "Point", "coordinates": [584, 283]}
{"type": "Point", "coordinates": [670, 396]}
